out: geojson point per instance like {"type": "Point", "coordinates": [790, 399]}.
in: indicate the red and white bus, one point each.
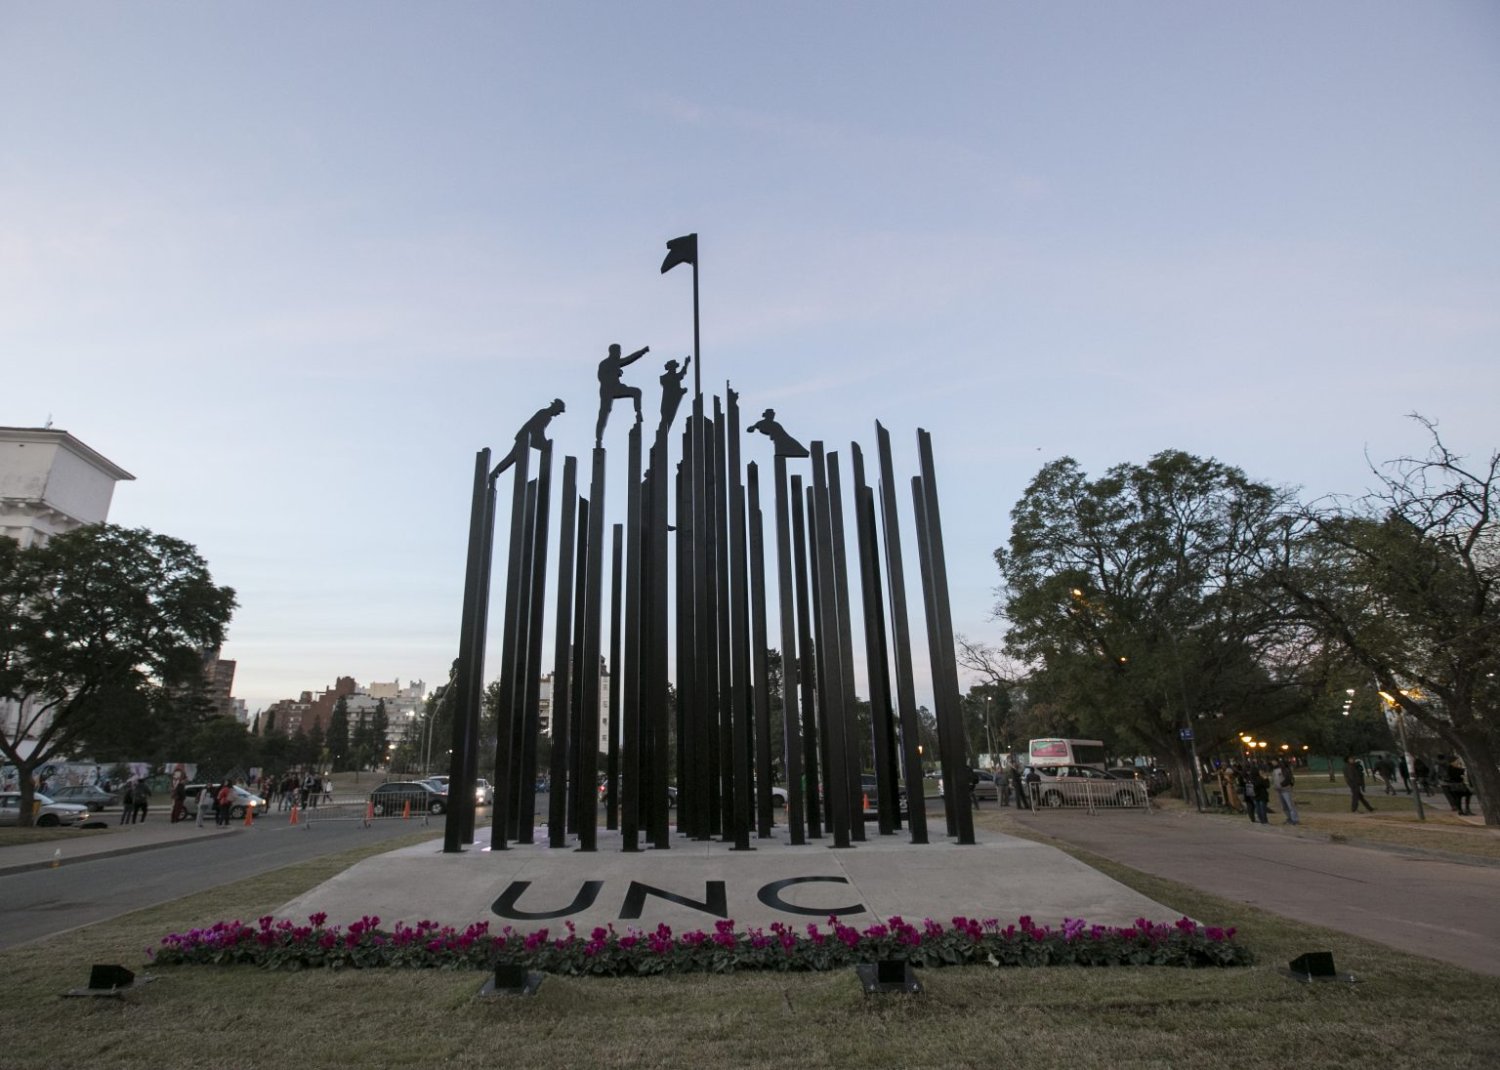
{"type": "Point", "coordinates": [1068, 752]}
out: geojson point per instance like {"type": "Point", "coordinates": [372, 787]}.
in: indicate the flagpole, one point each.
{"type": "Point", "coordinates": [697, 352]}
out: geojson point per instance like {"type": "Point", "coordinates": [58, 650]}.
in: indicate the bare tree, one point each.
{"type": "Point", "coordinates": [1404, 579]}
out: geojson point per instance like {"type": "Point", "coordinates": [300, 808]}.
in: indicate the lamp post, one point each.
{"type": "Point", "coordinates": [1393, 703]}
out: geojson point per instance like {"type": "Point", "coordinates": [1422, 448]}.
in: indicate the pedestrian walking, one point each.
{"type": "Point", "coordinates": [1456, 787]}
{"type": "Point", "coordinates": [127, 803]}
{"type": "Point", "coordinates": [1282, 780]}
{"type": "Point", "coordinates": [225, 800]}
{"type": "Point", "coordinates": [142, 798]}
{"type": "Point", "coordinates": [179, 801]}
{"type": "Point", "coordinates": [1354, 776]}
{"type": "Point", "coordinates": [1260, 794]}
{"type": "Point", "coordinates": [203, 797]}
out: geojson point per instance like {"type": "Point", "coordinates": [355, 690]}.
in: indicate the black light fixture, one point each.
{"type": "Point", "coordinates": [1315, 966]}
{"type": "Point", "coordinates": [888, 975]}
{"type": "Point", "coordinates": [511, 979]}
{"type": "Point", "coordinates": [109, 980]}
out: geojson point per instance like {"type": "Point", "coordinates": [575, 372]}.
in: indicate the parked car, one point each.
{"type": "Point", "coordinates": [393, 796]}
{"type": "Point", "coordinates": [240, 803]}
{"type": "Point", "coordinates": [484, 792]}
{"type": "Point", "coordinates": [869, 786]}
{"type": "Point", "coordinates": [49, 814]}
{"type": "Point", "coordinates": [1063, 785]}
{"type": "Point", "coordinates": [90, 795]}
{"type": "Point", "coordinates": [986, 789]}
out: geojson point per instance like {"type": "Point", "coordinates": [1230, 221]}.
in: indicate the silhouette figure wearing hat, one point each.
{"type": "Point", "coordinates": [532, 434]}
{"type": "Point", "coordinates": [672, 393]}
{"type": "Point", "coordinates": [786, 445]}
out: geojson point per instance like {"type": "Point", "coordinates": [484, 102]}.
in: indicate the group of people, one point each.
{"type": "Point", "coordinates": [1249, 786]}
{"type": "Point", "coordinates": [134, 801]}
{"type": "Point", "coordinates": [297, 789]}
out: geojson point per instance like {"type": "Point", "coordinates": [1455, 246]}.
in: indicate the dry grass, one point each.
{"type": "Point", "coordinates": [245, 1019]}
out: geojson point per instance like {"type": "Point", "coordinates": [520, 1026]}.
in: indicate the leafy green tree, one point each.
{"type": "Point", "coordinates": [90, 619]}
{"type": "Point", "coordinates": [380, 726]}
{"type": "Point", "coordinates": [1407, 581]}
{"type": "Point", "coordinates": [221, 745]}
{"type": "Point", "coordinates": [337, 740]}
{"type": "Point", "coordinates": [270, 728]}
{"type": "Point", "coordinates": [1137, 602]}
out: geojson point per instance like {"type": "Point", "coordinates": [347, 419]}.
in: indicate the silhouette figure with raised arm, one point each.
{"type": "Point", "coordinates": [532, 434]}
{"type": "Point", "coordinates": [786, 445]}
{"type": "Point", "coordinates": [672, 393]}
{"type": "Point", "coordinates": [610, 386]}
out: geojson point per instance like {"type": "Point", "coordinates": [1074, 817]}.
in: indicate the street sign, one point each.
{"type": "Point", "coordinates": [1185, 734]}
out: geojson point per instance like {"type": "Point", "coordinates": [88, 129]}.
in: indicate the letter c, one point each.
{"type": "Point", "coordinates": [770, 895]}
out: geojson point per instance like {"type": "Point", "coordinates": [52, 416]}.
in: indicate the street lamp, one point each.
{"type": "Point", "coordinates": [1393, 703]}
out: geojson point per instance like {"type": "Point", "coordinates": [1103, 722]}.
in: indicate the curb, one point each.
{"type": "Point", "coordinates": [113, 852]}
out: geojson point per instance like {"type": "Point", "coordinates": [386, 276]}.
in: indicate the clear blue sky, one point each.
{"type": "Point", "coordinates": [292, 264]}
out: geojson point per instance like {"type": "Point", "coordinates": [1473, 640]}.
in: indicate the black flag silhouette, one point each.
{"type": "Point", "coordinates": [683, 250]}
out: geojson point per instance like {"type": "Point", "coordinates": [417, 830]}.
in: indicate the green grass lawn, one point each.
{"type": "Point", "coordinates": [1405, 1009]}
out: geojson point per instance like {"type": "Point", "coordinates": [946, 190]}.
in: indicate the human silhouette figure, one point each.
{"type": "Point", "coordinates": [532, 434]}
{"type": "Point", "coordinates": [672, 393]}
{"type": "Point", "coordinates": [610, 386]}
{"type": "Point", "coordinates": [786, 445]}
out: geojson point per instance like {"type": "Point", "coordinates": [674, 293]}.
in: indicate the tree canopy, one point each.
{"type": "Point", "coordinates": [97, 624]}
{"type": "Point", "coordinates": [1138, 602]}
{"type": "Point", "coordinates": [1405, 580]}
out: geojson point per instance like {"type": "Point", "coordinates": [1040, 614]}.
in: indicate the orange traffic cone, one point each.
{"type": "Point", "coordinates": [864, 802]}
{"type": "Point", "coordinates": [294, 814]}
{"type": "Point", "coordinates": [249, 817]}
{"type": "Point", "coordinates": [406, 810]}
{"type": "Point", "coordinates": [369, 813]}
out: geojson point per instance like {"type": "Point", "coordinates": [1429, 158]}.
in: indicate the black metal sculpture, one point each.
{"type": "Point", "coordinates": [786, 445]}
{"type": "Point", "coordinates": [708, 599]}
{"type": "Point", "coordinates": [672, 393]}
{"type": "Point", "coordinates": [612, 387]}
{"type": "Point", "coordinates": [532, 435]}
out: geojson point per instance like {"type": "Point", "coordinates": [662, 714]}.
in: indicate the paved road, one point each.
{"type": "Point", "coordinates": [43, 902]}
{"type": "Point", "coordinates": [1442, 909]}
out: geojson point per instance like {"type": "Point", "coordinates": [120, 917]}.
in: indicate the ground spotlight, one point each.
{"type": "Point", "coordinates": [888, 975]}
{"type": "Point", "coordinates": [511, 979]}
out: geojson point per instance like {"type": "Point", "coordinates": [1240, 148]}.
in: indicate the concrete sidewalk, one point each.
{"type": "Point", "coordinates": [1441, 907]}
{"type": "Point", "coordinates": [76, 844]}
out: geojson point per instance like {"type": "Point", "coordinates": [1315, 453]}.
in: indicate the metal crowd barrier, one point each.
{"type": "Point", "coordinates": [1091, 795]}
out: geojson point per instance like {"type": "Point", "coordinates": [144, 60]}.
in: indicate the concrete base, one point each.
{"type": "Point", "coordinates": [695, 883]}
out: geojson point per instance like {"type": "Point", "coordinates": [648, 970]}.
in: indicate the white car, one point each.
{"type": "Point", "coordinates": [49, 814]}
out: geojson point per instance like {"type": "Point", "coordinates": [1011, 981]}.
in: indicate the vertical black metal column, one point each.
{"type": "Point", "coordinates": [656, 656]}
{"type": "Point", "coordinates": [512, 661]}
{"type": "Point", "coordinates": [760, 686]}
{"type": "Point", "coordinates": [739, 694]}
{"type": "Point", "coordinates": [881, 729]}
{"type": "Point", "coordinates": [687, 678]}
{"type": "Point", "coordinates": [616, 678]}
{"type": "Point", "coordinates": [834, 706]}
{"type": "Point", "coordinates": [562, 660]}
{"type": "Point", "coordinates": [722, 628]}
{"type": "Point", "coordinates": [906, 699]}
{"type": "Point", "coordinates": [806, 666]}
{"type": "Point", "coordinates": [539, 497]}
{"type": "Point", "coordinates": [630, 795]}
{"type": "Point", "coordinates": [463, 741]}
{"type": "Point", "coordinates": [589, 660]}
{"type": "Point", "coordinates": [944, 655]}
{"type": "Point", "coordinates": [461, 795]}
{"type": "Point", "coordinates": [844, 664]}
{"type": "Point", "coordinates": [791, 730]}
{"type": "Point", "coordinates": [578, 674]}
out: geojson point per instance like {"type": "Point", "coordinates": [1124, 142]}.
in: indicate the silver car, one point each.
{"type": "Point", "coordinates": [49, 814]}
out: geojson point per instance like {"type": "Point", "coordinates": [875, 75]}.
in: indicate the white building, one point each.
{"type": "Point", "coordinates": [544, 709]}
{"type": "Point", "coordinates": [49, 483]}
